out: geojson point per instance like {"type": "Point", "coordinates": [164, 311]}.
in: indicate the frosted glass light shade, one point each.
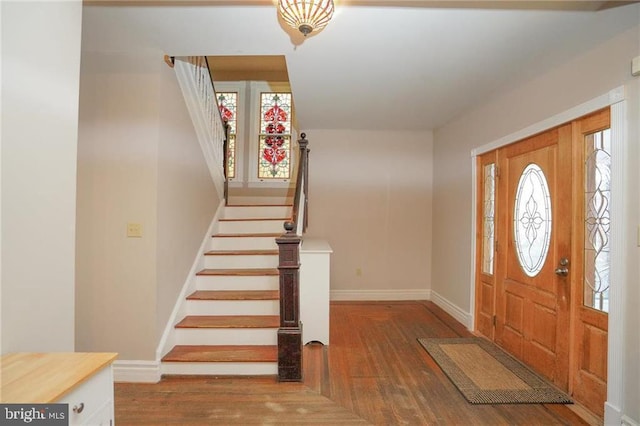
{"type": "Point", "coordinates": [306, 15]}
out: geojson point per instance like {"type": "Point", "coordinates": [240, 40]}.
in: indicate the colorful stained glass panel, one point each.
{"type": "Point", "coordinates": [275, 136]}
{"type": "Point", "coordinates": [228, 106]}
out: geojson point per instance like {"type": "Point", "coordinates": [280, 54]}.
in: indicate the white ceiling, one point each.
{"type": "Point", "coordinates": [373, 67]}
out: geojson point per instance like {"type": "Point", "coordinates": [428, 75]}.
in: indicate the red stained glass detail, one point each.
{"type": "Point", "coordinates": [275, 114]}
{"type": "Point", "coordinates": [274, 155]}
{"type": "Point", "coordinates": [226, 113]}
{"type": "Point", "coordinates": [275, 128]}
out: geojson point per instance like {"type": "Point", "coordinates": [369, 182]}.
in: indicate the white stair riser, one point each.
{"type": "Point", "coordinates": [270, 282]}
{"type": "Point", "coordinates": [233, 307]}
{"type": "Point", "coordinates": [221, 368]}
{"type": "Point", "coordinates": [226, 336]}
{"type": "Point", "coordinates": [243, 243]}
{"type": "Point", "coordinates": [250, 226]}
{"type": "Point", "coordinates": [256, 211]}
{"type": "Point", "coordinates": [240, 261]}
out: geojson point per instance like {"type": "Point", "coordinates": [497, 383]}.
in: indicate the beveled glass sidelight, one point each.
{"type": "Point", "coordinates": [488, 215]}
{"type": "Point", "coordinates": [532, 220]}
{"type": "Point", "coordinates": [597, 223]}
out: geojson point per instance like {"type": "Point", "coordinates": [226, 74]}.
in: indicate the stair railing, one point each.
{"type": "Point", "coordinates": [300, 214]}
{"type": "Point", "coordinates": [225, 159]}
{"type": "Point", "coordinates": [196, 83]}
{"type": "Point", "coordinates": [290, 331]}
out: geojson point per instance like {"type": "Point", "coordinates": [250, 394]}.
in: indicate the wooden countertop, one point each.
{"type": "Point", "coordinates": [42, 378]}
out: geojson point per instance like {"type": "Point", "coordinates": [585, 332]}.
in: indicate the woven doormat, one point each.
{"type": "Point", "coordinates": [485, 374]}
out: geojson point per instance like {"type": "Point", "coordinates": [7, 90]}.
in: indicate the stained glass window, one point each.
{"type": "Point", "coordinates": [275, 136]}
{"type": "Point", "coordinates": [532, 220]}
{"type": "Point", "coordinates": [228, 105]}
{"type": "Point", "coordinates": [488, 213]}
{"type": "Point", "coordinates": [597, 231]}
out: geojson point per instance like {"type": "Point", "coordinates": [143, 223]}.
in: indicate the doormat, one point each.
{"type": "Point", "coordinates": [485, 374]}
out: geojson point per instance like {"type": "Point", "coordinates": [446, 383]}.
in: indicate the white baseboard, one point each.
{"type": "Point", "coordinates": [612, 415]}
{"type": "Point", "coordinates": [452, 309]}
{"type": "Point", "coordinates": [396, 294]}
{"type": "Point", "coordinates": [136, 371]}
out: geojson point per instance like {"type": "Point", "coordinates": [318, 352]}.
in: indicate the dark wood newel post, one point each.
{"type": "Point", "coordinates": [290, 331]}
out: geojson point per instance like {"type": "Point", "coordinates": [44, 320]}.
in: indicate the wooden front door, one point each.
{"type": "Point", "coordinates": [534, 239]}
{"type": "Point", "coordinates": [542, 258]}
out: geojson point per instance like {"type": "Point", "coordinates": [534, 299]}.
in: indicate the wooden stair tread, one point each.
{"type": "Point", "coordinates": [259, 205]}
{"type": "Point", "coordinates": [230, 321]}
{"type": "Point", "coordinates": [266, 252]}
{"type": "Point", "coordinates": [254, 219]}
{"type": "Point", "coordinates": [234, 295]}
{"type": "Point", "coordinates": [228, 353]}
{"type": "Point", "coordinates": [250, 235]}
{"type": "Point", "coordinates": [239, 272]}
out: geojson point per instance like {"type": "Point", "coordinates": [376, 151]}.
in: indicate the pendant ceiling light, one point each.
{"type": "Point", "coordinates": [306, 16]}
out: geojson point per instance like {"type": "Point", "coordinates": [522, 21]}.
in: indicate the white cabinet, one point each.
{"type": "Point", "coordinates": [82, 380]}
{"type": "Point", "coordinates": [91, 403]}
{"type": "Point", "coordinates": [315, 266]}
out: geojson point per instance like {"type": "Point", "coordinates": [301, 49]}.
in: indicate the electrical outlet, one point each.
{"type": "Point", "coordinates": [358, 272]}
{"type": "Point", "coordinates": [134, 230]}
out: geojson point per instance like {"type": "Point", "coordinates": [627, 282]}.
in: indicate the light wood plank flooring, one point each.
{"type": "Point", "coordinates": [373, 372]}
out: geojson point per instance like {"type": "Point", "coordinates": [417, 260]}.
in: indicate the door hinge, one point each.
{"type": "Point", "coordinates": [495, 320]}
{"type": "Point", "coordinates": [497, 172]}
{"type": "Point", "coordinates": [496, 244]}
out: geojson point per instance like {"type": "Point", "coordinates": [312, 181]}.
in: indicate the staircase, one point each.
{"type": "Point", "coordinates": [232, 317]}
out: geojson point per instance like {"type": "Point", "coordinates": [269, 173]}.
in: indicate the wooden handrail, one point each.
{"type": "Point", "coordinates": [305, 160]}
{"type": "Point", "coordinates": [206, 61]}
{"type": "Point", "coordinates": [225, 159]}
{"type": "Point", "coordinates": [290, 331]}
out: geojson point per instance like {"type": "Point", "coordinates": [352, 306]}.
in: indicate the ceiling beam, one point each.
{"type": "Point", "coordinates": [575, 5]}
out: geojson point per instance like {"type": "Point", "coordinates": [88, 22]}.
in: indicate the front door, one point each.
{"type": "Point", "coordinates": [542, 259]}
{"type": "Point", "coordinates": [534, 232]}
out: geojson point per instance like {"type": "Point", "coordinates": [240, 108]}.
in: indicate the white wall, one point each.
{"type": "Point", "coordinates": [41, 65]}
{"type": "Point", "coordinates": [370, 198]}
{"type": "Point", "coordinates": [117, 180]}
{"type": "Point", "coordinates": [579, 79]}
{"type": "Point", "coordinates": [187, 199]}
{"type": "Point", "coordinates": [139, 161]}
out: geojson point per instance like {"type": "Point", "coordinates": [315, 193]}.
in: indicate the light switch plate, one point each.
{"type": "Point", "coordinates": [635, 66]}
{"type": "Point", "coordinates": [134, 230]}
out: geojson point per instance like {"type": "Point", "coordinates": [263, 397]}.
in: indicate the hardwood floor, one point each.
{"type": "Point", "coordinates": [373, 372]}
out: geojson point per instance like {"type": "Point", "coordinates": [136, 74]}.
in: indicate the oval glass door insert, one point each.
{"type": "Point", "coordinates": [532, 220]}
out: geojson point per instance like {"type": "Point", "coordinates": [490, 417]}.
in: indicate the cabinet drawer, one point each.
{"type": "Point", "coordinates": [90, 397]}
{"type": "Point", "coordinates": [102, 417]}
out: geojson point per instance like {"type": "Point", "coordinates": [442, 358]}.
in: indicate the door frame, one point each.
{"type": "Point", "coordinates": [616, 100]}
